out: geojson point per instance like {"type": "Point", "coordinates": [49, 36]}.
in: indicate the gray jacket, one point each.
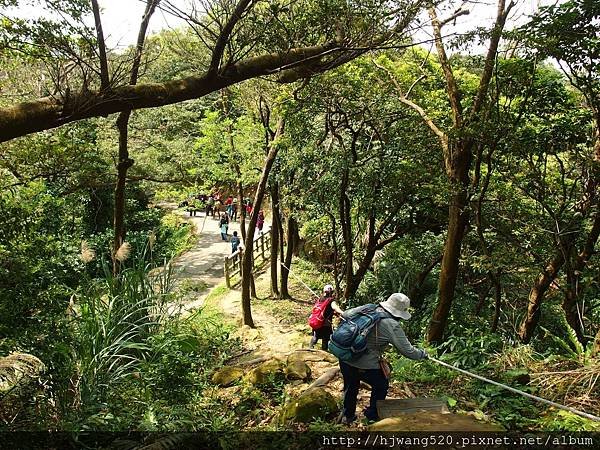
{"type": "Point", "coordinates": [387, 331]}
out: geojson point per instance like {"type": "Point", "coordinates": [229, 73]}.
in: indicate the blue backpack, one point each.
{"type": "Point", "coordinates": [350, 338]}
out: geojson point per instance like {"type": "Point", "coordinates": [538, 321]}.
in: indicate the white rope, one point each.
{"type": "Point", "coordinates": [487, 380]}
{"type": "Point", "coordinates": [303, 283]}
{"type": "Point", "coordinates": [517, 391]}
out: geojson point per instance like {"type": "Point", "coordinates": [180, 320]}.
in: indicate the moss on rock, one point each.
{"type": "Point", "coordinates": [296, 368]}
{"type": "Point", "coordinates": [432, 421]}
{"type": "Point", "coordinates": [314, 404]}
{"type": "Point", "coordinates": [264, 372]}
{"type": "Point", "coordinates": [227, 375]}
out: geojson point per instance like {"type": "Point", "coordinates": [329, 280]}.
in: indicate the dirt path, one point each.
{"type": "Point", "coordinates": [270, 335]}
{"type": "Point", "coordinates": [271, 338]}
{"type": "Point", "coordinates": [200, 270]}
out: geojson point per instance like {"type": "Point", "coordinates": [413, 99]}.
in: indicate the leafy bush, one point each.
{"type": "Point", "coordinates": [397, 269]}
{"type": "Point", "coordinates": [470, 347]}
{"type": "Point", "coordinates": [420, 372]}
{"type": "Point", "coordinates": [38, 260]}
{"type": "Point", "coordinates": [513, 411]}
{"type": "Point", "coordinates": [168, 235]}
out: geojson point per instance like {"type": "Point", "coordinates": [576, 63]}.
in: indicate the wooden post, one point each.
{"type": "Point", "coordinates": [262, 246]}
{"type": "Point", "coordinates": [269, 240]}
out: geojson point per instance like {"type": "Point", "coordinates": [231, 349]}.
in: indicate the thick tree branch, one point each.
{"type": "Point", "coordinates": [141, 38]}
{"type": "Point", "coordinates": [459, 12]}
{"type": "Point", "coordinates": [453, 92]}
{"type": "Point", "coordinates": [49, 112]}
{"type": "Point", "coordinates": [403, 98]}
{"type": "Point", "coordinates": [491, 55]}
{"type": "Point", "coordinates": [223, 38]}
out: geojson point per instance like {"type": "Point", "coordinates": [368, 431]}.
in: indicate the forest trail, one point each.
{"type": "Point", "coordinates": [271, 335]}
{"type": "Point", "coordinates": [200, 269]}
{"type": "Point", "coordinates": [279, 334]}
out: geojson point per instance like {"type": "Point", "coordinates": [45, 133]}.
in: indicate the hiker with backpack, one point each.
{"type": "Point", "coordinates": [322, 314]}
{"type": "Point", "coordinates": [359, 342]}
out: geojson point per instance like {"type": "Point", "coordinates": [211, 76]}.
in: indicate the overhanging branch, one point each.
{"type": "Point", "coordinates": [51, 112]}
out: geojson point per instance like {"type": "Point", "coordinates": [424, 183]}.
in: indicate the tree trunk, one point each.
{"type": "Point", "coordinates": [236, 166]}
{"type": "Point", "coordinates": [124, 162]}
{"type": "Point", "coordinates": [289, 253]}
{"type": "Point", "coordinates": [458, 218]}
{"type": "Point", "coordinates": [353, 284]}
{"type": "Point", "coordinates": [482, 297]}
{"type": "Point", "coordinates": [252, 284]}
{"type": "Point", "coordinates": [536, 296]}
{"type": "Point", "coordinates": [275, 239]}
{"type": "Point", "coordinates": [336, 269]}
{"type": "Point", "coordinates": [569, 305]}
{"type": "Point", "coordinates": [241, 208]}
{"type": "Point", "coordinates": [497, 301]}
{"type": "Point", "coordinates": [574, 288]}
{"type": "Point", "coordinates": [247, 257]}
{"type": "Point", "coordinates": [119, 209]}
{"type": "Point", "coordinates": [296, 241]}
{"type": "Point", "coordinates": [457, 161]}
{"type": "Point", "coordinates": [346, 225]}
{"type": "Point", "coordinates": [596, 349]}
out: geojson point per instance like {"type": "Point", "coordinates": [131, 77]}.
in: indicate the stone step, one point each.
{"type": "Point", "coordinates": [391, 407]}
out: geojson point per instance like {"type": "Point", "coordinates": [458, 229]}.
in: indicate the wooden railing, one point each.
{"type": "Point", "coordinates": [261, 253]}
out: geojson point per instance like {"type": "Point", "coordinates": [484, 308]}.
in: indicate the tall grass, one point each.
{"type": "Point", "coordinates": [113, 319]}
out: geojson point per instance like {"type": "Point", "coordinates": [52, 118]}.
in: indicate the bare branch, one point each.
{"type": "Point", "coordinates": [453, 93]}
{"type": "Point", "coordinates": [104, 80]}
{"type": "Point", "coordinates": [491, 55]}
{"type": "Point", "coordinates": [141, 38]}
{"type": "Point", "coordinates": [459, 12]}
{"type": "Point", "coordinates": [428, 121]}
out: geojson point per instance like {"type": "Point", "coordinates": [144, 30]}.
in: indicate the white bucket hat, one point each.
{"type": "Point", "coordinates": [397, 305]}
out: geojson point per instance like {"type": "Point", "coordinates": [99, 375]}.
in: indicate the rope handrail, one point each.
{"type": "Point", "coordinates": [487, 380]}
{"type": "Point", "coordinates": [298, 279]}
{"type": "Point", "coordinates": [517, 391]}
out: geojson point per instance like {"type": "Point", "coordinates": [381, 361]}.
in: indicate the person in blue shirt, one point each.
{"type": "Point", "coordinates": [235, 242]}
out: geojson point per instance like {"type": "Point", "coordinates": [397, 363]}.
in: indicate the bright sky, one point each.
{"type": "Point", "coordinates": [121, 18]}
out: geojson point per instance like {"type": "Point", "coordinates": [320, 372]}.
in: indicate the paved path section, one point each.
{"type": "Point", "coordinates": [203, 264]}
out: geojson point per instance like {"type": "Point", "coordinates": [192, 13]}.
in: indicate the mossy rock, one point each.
{"type": "Point", "coordinates": [432, 421]}
{"type": "Point", "coordinates": [16, 368]}
{"type": "Point", "coordinates": [227, 375]}
{"type": "Point", "coordinates": [265, 372]}
{"type": "Point", "coordinates": [314, 404]}
{"type": "Point", "coordinates": [314, 356]}
{"type": "Point", "coordinates": [249, 334]}
{"type": "Point", "coordinates": [296, 369]}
